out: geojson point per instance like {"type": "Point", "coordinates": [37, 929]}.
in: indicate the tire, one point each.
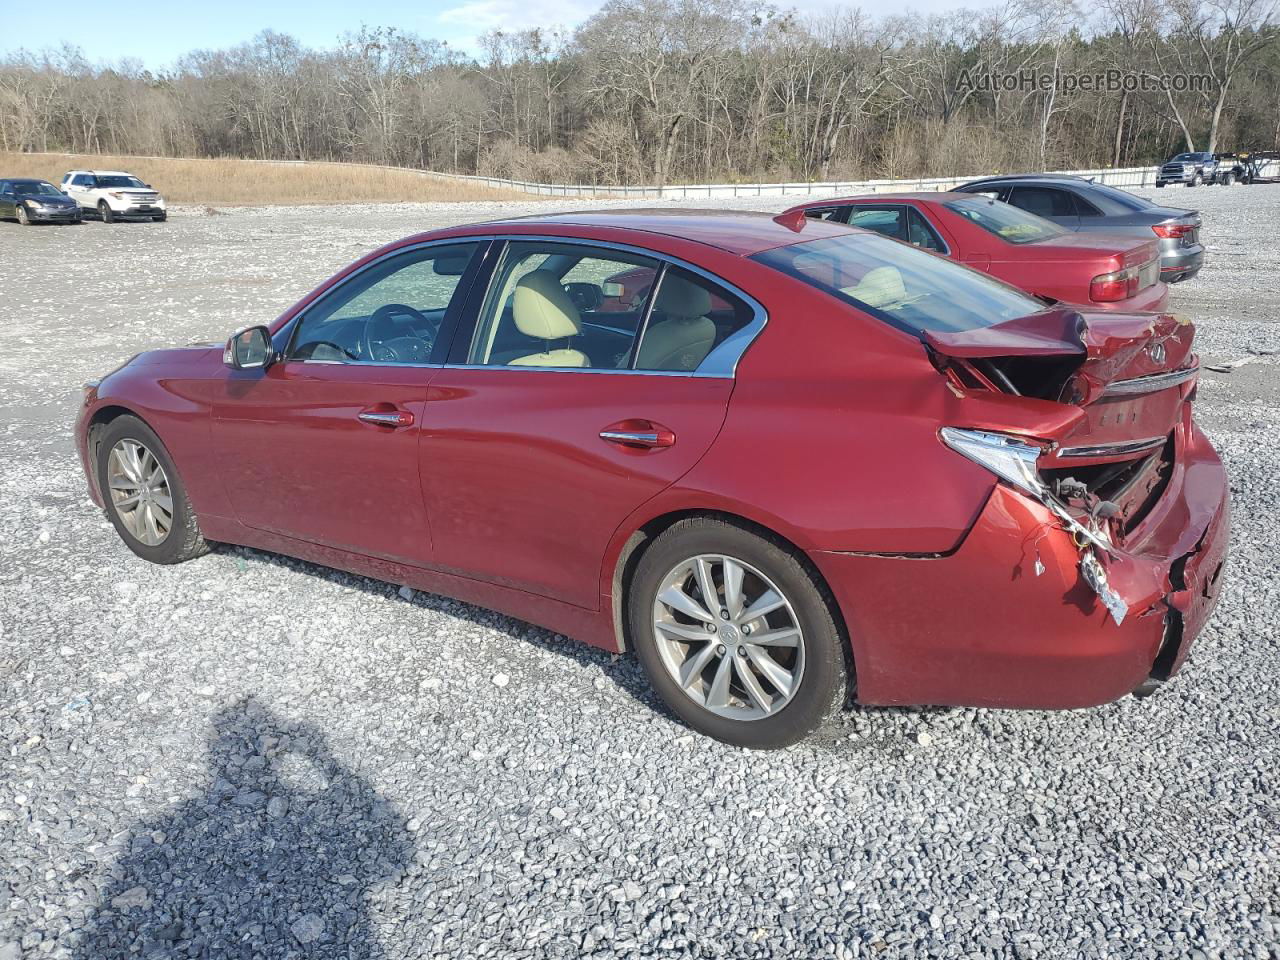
{"type": "Point", "coordinates": [24, 218]}
{"type": "Point", "coordinates": [105, 212]}
{"type": "Point", "coordinates": [160, 217]}
{"type": "Point", "coordinates": [1228, 179]}
{"type": "Point", "coordinates": [767, 717]}
{"type": "Point", "coordinates": [1159, 185]}
{"type": "Point", "coordinates": [181, 539]}
{"type": "Point", "coordinates": [1195, 181]}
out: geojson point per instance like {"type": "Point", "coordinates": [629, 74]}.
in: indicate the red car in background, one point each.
{"type": "Point", "coordinates": [807, 459]}
{"type": "Point", "coordinates": [1097, 270]}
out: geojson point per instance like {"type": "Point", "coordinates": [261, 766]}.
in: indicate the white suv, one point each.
{"type": "Point", "coordinates": [114, 195]}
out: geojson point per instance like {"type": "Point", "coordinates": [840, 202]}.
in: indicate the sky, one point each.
{"type": "Point", "coordinates": [157, 32]}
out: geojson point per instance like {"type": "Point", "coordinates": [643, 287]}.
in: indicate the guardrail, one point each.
{"type": "Point", "coordinates": [1117, 177]}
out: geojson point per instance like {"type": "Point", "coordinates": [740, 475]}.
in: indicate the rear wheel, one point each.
{"type": "Point", "coordinates": [736, 635]}
{"type": "Point", "coordinates": [144, 496]}
{"type": "Point", "coordinates": [105, 212]}
{"type": "Point", "coordinates": [24, 218]}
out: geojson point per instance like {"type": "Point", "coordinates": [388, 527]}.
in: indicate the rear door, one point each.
{"type": "Point", "coordinates": [323, 445]}
{"type": "Point", "coordinates": [554, 421]}
{"type": "Point", "coordinates": [7, 208]}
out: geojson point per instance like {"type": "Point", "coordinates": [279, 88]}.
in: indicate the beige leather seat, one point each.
{"type": "Point", "coordinates": [685, 334]}
{"type": "Point", "coordinates": [879, 287]}
{"type": "Point", "coordinates": [542, 310]}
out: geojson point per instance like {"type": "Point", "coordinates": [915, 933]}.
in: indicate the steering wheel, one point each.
{"type": "Point", "coordinates": [385, 316]}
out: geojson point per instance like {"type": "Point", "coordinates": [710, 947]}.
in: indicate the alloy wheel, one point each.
{"type": "Point", "coordinates": [729, 637]}
{"type": "Point", "coordinates": [140, 493]}
{"type": "Point", "coordinates": [23, 217]}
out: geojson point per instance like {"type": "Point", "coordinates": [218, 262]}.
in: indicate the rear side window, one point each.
{"type": "Point", "coordinates": [1043, 201]}
{"type": "Point", "coordinates": [691, 316]}
{"type": "Point", "coordinates": [835, 214]}
{"type": "Point", "coordinates": [904, 286]}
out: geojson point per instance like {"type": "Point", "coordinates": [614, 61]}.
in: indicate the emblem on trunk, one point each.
{"type": "Point", "coordinates": [1156, 350]}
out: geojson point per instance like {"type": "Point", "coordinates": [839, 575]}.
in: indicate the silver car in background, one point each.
{"type": "Point", "coordinates": [1079, 204]}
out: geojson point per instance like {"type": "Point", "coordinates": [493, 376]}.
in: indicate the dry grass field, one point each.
{"type": "Point", "coordinates": [232, 182]}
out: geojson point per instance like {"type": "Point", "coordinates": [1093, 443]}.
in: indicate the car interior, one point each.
{"type": "Point", "coordinates": [550, 320]}
{"type": "Point", "coordinates": [558, 309]}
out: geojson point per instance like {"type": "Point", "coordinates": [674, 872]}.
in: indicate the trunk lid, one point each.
{"type": "Point", "coordinates": [1119, 382]}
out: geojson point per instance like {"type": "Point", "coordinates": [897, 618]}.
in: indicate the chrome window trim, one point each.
{"type": "Point", "coordinates": [1150, 384]}
{"type": "Point", "coordinates": [720, 364]}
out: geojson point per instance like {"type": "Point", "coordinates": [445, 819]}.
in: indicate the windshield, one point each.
{"type": "Point", "coordinates": [1186, 156]}
{"type": "Point", "coordinates": [910, 288]}
{"type": "Point", "coordinates": [1007, 222]}
{"type": "Point", "coordinates": [120, 181]}
{"type": "Point", "coordinates": [41, 189]}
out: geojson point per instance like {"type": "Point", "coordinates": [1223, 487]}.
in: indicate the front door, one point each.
{"type": "Point", "coordinates": [323, 445]}
{"type": "Point", "coordinates": [561, 415]}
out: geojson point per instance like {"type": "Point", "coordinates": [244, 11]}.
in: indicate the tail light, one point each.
{"type": "Point", "coordinates": [1173, 231]}
{"type": "Point", "coordinates": [1109, 287]}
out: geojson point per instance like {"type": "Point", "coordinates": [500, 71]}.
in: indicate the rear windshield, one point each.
{"type": "Point", "coordinates": [120, 182]}
{"type": "Point", "coordinates": [910, 288]}
{"type": "Point", "coordinates": [1100, 193]}
{"type": "Point", "coordinates": [1009, 223]}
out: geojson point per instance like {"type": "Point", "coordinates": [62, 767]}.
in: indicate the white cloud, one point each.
{"type": "Point", "coordinates": [481, 16]}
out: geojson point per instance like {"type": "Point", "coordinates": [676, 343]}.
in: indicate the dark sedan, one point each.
{"type": "Point", "coordinates": [1079, 204]}
{"type": "Point", "coordinates": [35, 201]}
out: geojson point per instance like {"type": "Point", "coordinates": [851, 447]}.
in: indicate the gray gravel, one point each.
{"type": "Point", "coordinates": [247, 756]}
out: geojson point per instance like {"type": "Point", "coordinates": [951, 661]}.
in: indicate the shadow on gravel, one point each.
{"type": "Point", "coordinates": [273, 860]}
{"type": "Point", "coordinates": [624, 671]}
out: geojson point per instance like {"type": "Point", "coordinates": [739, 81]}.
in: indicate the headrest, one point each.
{"type": "Point", "coordinates": [879, 287]}
{"type": "Point", "coordinates": [541, 308]}
{"type": "Point", "coordinates": [680, 299]}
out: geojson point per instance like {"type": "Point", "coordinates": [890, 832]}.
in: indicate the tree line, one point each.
{"type": "Point", "coordinates": [696, 90]}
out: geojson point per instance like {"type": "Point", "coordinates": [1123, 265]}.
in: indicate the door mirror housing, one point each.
{"type": "Point", "coordinates": [249, 349]}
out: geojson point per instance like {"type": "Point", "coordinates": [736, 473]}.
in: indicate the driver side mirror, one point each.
{"type": "Point", "coordinates": [249, 349]}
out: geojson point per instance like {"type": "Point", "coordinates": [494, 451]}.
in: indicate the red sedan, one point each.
{"type": "Point", "coordinates": [1098, 270]}
{"type": "Point", "coordinates": [806, 454]}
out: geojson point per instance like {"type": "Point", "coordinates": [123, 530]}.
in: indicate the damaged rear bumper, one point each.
{"type": "Point", "coordinates": [1008, 619]}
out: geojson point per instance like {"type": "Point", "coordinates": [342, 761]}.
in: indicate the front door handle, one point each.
{"type": "Point", "coordinates": [638, 433]}
{"type": "Point", "coordinates": [386, 418]}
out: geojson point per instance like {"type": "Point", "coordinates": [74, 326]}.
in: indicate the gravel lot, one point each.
{"type": "Point", "coordinates": [246, 756]}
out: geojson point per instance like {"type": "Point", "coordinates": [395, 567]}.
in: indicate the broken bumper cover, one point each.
{"type": "Point", "coordinates": [1008, 618]}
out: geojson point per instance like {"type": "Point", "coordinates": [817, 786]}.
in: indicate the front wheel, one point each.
{"type": "Point", "coordinates": [144, 496]}
{"type": "Point", "coordinates": [24, 218]}
{"type": "Point", "coordinates": [736, 634]}
{"type": "Point", "coordinates": [105, 212]}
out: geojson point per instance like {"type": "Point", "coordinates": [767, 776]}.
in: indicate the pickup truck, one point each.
{"type": "Point", "coordinates": [1189, 169]}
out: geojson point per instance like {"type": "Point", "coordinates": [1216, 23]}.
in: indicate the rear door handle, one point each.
{"type": "Point", "coordinates": [638, 433]}
{"type": "Point", "coordinates": [386, 418]}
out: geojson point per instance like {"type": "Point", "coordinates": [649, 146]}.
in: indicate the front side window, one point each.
{"type": "Point", "coordinates": [906, 287]}
{"type": "Point", "coordinates": [391, 312]}
{"type": "Point", "coordinates": [1005, 220]}
{"type": "Point", "coordinates": [889, 221]}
